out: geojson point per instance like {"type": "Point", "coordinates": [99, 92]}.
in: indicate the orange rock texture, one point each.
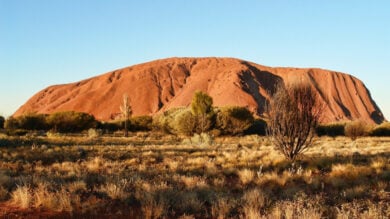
{"type": "Point", "coordinates": [160, 85]}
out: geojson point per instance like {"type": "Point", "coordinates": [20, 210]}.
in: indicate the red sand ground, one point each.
{"type": "Point", "coordinates": [163, 84]}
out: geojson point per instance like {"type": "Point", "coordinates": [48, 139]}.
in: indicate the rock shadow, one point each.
{"type": "Point", "coordinates": [253, 79]}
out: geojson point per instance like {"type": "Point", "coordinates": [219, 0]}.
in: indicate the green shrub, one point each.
{"type": "Point", "coordinates": [202, 109]}
{"type": "Point", "coordinates": [182, 121]}
{"type": "Point", "coordinates": [166, 121]}
{"type": "Point", "coordinates": [141, 123]}
{"type": "Point", "coordinates": [331, 129]}
{"type": "Point", "coordinates": [159, 124]}
{"type": "Point", "coordinates": [185, 123]}
{"type": "Point", "coordinates": [162, 122]}
{"type": "Point", "coordinates": [381, 130]}
{"type": "Point", "coordinates": [71, 121]}
{"type": "Point", "coordinates": [111, 126]}
{"type": "Point", "coordinates": [11, 123]}
{"type": "Point", "coordinates": [33, 121]}
{"type": "Point", "coordinates": [234, 120]}
{"type": "Point", "coordinates": [2, 120]}
{"type": "Point", "coordinates": [30, 121]}
{"type": "Point", "coordinates": [205, 123]}
{"type": "Point", "coordinates": [258, 127]}
{"type": "Point", "coordinates": [356, 129]}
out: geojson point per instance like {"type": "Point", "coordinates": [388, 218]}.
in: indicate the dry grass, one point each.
{"type": "Point", "coordinates": [22, 197]}
{"type": "Point", "coordinates": [221, 208]}
{"type": "Point", "coordinates": [236, 177]}
{"type": "Point", "coordinates": [246, 176]}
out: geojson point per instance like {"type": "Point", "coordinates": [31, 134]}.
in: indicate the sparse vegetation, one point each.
{"type": "Point", "coordinates": [162, 177]}
{"type": "Point", "coordinates": [179, 121]}
{"type": "Point", "coordinates": [188, 175]}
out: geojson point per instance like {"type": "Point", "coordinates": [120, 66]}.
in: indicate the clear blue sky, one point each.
{"type": "Point", "coordinates": [46, 42]}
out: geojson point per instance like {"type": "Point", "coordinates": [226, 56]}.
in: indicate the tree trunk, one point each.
{"type": "Point", "coordinates": [126, 129]}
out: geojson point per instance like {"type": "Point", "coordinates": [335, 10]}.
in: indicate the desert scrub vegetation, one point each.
{"type": "Point", "coordinates": [381, 130]}
{"type": "Point", "coordinates": [64, 122]}
{"type": "Point", "coordinates": [162, 177]}
{"type": "Point", "coordinates": [331, 129]}
{"type": "Point", "coordinates": [356, 129]}
{"type": "Point", "coordinates": [202, 110]}
{"type": "Point", "coordinates": [2, 120]}
{"type": "Point", "coordinates": [220, 121]}
{"type": "Point", "coordinates": [233, 120]}
{"type": "Point", "coordinates": [293, 114]}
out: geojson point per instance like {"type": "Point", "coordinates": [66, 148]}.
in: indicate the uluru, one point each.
{"type": "Point", "coordinates": [156, 86]}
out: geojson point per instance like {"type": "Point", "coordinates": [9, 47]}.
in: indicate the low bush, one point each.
{"type": "Point", "coordinates": [33, 121]}
{"type": "Point", "coordinates": [185, 123]}
{"type": "Point", "coordinates": [182, 121]}
{"type": "Point", "coordinates": [94, 133]}
{"type": "Point", "coordinates": [258, 127]}
{"type": "Point", "coordinates": [141, 123]}
{"type": "Point", "coordinates": [381, 130]}
{"type": "Point", "coordinates": [30, 121]}
{"type": "Point", "coordinates": [233, 120]}
{"type": "Point", "coordinates": [71, 121]}
{"type": "Point", "coordinates": [111, 126]}
{"type": "Point", "coordinates": [11, 123]}
{"type": "Point", "coordinates": [356, 129]}
{"type": "Point", "coordinates": [223, 121]}
{"type": "Point", "coordinates": [331, 129]}
{"type": "Point", "coordinates": [160, 124]}
{"type": "Point", "coordinates": [2, 120]}
{"type": "Point", "coordinates": [165, 121]}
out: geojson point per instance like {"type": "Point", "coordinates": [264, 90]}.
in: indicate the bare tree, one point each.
{"type": "Point", "coordinates": [294, 112]}
{"type": "Point", "coordinates": [126, 112]}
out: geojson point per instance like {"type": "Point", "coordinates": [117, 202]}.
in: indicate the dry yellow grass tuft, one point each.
{"type": "Point", "coordinates": [246, 176]}
{"type": "Point", "coordinates": [22, 197]}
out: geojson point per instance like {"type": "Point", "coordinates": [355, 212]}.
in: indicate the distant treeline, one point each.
{"type": "Point", "coordinates": [353, 129]}
{"type": "Point", "coordinates": [179, 121]}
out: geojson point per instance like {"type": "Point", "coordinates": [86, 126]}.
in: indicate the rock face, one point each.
{"type": "Point", "coordinates": [159, 85]}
